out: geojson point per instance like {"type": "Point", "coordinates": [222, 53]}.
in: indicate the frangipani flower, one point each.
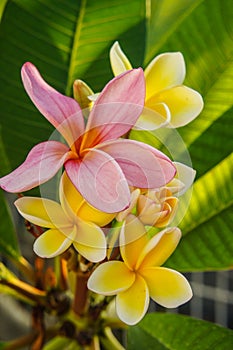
{"type": "Point", "coordinates": [157, 207]}
{"type": "Point", "coordinates": [81, 207]}
{"type": "Point", "coordinates": [65, 227]}
{"type": "Point", "coordinates": [140, 275]}
{"type": "Point", "coordinates": [100, 165]}
{"type": "Point", "coordinates": [168, 102]}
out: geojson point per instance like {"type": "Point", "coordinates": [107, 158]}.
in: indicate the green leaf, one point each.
{"type": "Point", "coordinates": [205, 39]}
{"type": "Point", "coordinates": [213, 145]}
{"type": "Point", "coordinates": [8, 239]}
{"type": "Point", "coordinates": [66, 40]}
{"type": "Point", "coordinates": [207, 226]}
{"type": "Point", "coordinates": [61, 343]}
{"type": "Point", "coordinates": [176, 332]}
{"type": "Point", "coordinates": [7, 276]}
{"type": "Point", "coordinates": [2, 7]}
{"type": "Point", "coordinates": [163, 18]}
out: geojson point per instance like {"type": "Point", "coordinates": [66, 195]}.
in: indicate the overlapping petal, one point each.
{"type": "Point", "coordinates": [164, 84]}
{"type": "Point", "coordinates": [42, 212]}
{"type": "Point", "coordinates": [184, 104]}
{"type": "Point", "coordinates": [132, 304]}
{"type": "Point", "coordinates": [143, 165]}
{"type": "Point", "coordinates": [167, 287]}
{"type": "Point", "coordinates": [138, 276]}
{"type": "Point", "coordinates": [159, 248]}
{"type": "Point", "coordinates": [111, 278]}
{"type": "Point", "coordinates": [186, 175]}
{"type": "Point", "coordinates": [149, 211]}
{"type": "Point", "coordinates": [42, 163]}
{"type": "Point", "coordinates": [116, 109]}
{"type": "Point", "coordinates": [132, 238]}
{"type": "Point", "coordinates": [155, 117]}
{"type": "Point", "coordinates": [90, 241]}
{"type": "Point", "coordinates": [100, 180]}
{"type": "Point", "coordinates": [164, 72]}
{"type": "Point", "coordinates": [61, 111]}
{"type": "Point", "coordinates": [52, 243]}
{"type": "Point", "coordinates": [72, 200]}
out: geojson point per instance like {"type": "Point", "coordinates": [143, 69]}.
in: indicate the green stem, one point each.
{"type": "Point", "coordinates": [109, 341]}
{"type": "Point", "coordinates": [25, 289]}
{"type": "Point", "coordinates": [20, 342]}
{"type": "Point", "coordinates": [27, 270]}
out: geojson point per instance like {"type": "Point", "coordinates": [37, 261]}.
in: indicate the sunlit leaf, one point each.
{"type": "Point", "coordinates": [2, 7]}
{"type": "Point", "coordinates": [176, 332]}
{"type": "Point", "coordinates": [66, 40]}
{"type": "Point", "coordinates": [213, 145]}
{"type": "Point", "coordinates": [205, 39]}
{"type": "Point", "coordinates": [207, 226]}
{"type": "Point", "coordinates": [163, 18]}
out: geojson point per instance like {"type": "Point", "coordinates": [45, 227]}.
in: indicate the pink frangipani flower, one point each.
{"type": "Point", "coordinates": [99, 163]}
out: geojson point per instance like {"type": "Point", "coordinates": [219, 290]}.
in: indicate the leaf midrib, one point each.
{"type": "Point", "coordinates": [75, 44]}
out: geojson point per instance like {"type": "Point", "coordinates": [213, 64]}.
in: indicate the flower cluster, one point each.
{"type": "Point", "coordinates": [110, 180]}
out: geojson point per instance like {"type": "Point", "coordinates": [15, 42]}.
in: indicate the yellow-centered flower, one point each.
{"type": "Point", "coordinates": [68, 222]}
{"type": "Point", "coordinates": [168, 102]}
{"type": "Point", "coordinates": [140, 275]}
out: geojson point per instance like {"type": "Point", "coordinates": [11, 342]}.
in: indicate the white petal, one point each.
{"type": "Point", "coordinates": [111, 278]}
{"type": "Point", "coordinates": [42, 212]}
{"type": "Point", "coordinates": [90, 241]}
{"type": "Point", "coordinates": [186, 175]}
{"type": "Point", "coordinates": [132, 304]}
{"type": "Point", "coordinates": [52, 243]}
{"type": "Point", "coordinates": [152, 119]}
{"type": "Point", "coordinates": [167, 287]}
{"type": "Point", "coordinates": [119, 61]}
{"type": "Point", "coordinates": [164, 71]}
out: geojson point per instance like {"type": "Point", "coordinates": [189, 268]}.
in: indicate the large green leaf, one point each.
{"type": "Point", "coordinates": [163, 18]}
{"type": "Point", "coordinates": [2, 7]}
{"type": "Point", "coordinates": [66, 40]}
{"type": "Point", "coordinates": [213, 145]}
{"type": "Point", "coordinates": [8, 239]}
{"type": "Point", "coordinates": [207, 226]}
{"type": "Point", "coordinates": [176, 332]}
{"type": "Point", "coordinates": [205, 39]}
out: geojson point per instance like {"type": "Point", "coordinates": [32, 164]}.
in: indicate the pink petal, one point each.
{"type": "Point", "coordinates": [143, 165]}
{"type": "Point", "coordinates": [55, 107]}
{"type": "Point", "coordinates": [100, 180]}
{"type": "Point", "coordinates": [41, 164]}
{"type": "Point", "coordinates": [116, 109]}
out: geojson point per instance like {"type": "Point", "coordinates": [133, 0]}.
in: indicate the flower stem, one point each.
{"type": "Point", "coordinates": [109, 341]}
{"type": "Point", "coordinates": [23, 265]}
{"type": "Point", "coordinates": [20, 342]}
{"type": "Point", "coordinates": [81, 293]}
{"type": "Point", "coordinates": [25, 289]}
